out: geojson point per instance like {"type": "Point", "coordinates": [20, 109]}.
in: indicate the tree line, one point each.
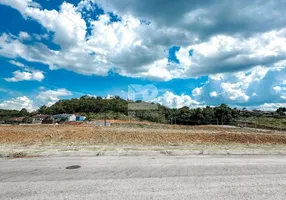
{"type": "Point", "coordinates": [117, 108]}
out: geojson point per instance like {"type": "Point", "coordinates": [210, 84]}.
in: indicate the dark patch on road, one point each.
{"type": "Point", "coordinates": [73, 167]}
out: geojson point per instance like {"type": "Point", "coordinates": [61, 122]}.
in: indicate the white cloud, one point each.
{"type": "Point", "coordinates": [24, 36]}
{"type": "Point", "coordinates": [20, 5]}
{"type": "Point", "coordinates": [171, 100]}
{"type": "Point", "coordinates": [240, 45]}
{"type": "Point", "coordinates": [12, 48]}
{"type": "Point", "coordinates": [197, 91]}
{"type": "Point", "coordinates": [18, 64]}
{"type": "Point", "coordinates": [44, 97]}
{"type": "Point", "coordinates": [109, 96]}
{"type": "Point", "coordinates": [50, 97]}
{"type": "Point", "coordinates": [124, 44]}
{"type": "Point", "coordinates": [214, 94]}
{"type": "Point", "coordinates": [277, 88]}
{"type": "Point", "coordinates": [234, 92]}
{"type": "Point", "coordinates": [158, 72]}
{"type": "Point", "coordinates": [230, 53]}
{"type": "Point", "coordinates": [246, 88]}
{"type": "Point", "coordinates": [18, 104]}
{"type": "Point", "coordinates": [270, 106]}
{"type": "Point", "coordinates": [26, 76]}
{"type": "Point", "coordinates": [67, 24]}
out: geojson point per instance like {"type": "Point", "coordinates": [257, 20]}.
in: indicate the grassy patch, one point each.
{"type": "Point", "coordinates": [266, 122]}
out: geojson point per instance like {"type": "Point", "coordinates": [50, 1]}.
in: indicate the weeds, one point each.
{"type": "Point", "coordinates": [18, 155]}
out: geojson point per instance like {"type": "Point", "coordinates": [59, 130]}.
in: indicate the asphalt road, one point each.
{"type": "Point", "coordinates": [144, 177]}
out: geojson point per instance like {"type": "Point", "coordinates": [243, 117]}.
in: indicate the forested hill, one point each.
{"type": "Point", "coordinates": [117, 108]}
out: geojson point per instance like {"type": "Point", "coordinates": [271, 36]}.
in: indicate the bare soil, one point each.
{"type": "Point", "coordinates": [169, 135]}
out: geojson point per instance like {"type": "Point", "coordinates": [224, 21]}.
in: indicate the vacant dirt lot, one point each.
{"type": "Point", "coordinates": [169, 135]}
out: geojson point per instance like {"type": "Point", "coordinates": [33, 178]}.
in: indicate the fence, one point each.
{"type": "Point", "coordinates": [257, 125]}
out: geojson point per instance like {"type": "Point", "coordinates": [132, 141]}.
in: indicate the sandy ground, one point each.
{"type": "Point", "coordinates": [63, 140]}
{"type": "Point", "coordinates": [169, 135]}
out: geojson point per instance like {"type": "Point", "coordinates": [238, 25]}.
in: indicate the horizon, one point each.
{"type": "Point", "coordinates": [187, 54]}
{"type": "Point", "coordinates": [110, 97]}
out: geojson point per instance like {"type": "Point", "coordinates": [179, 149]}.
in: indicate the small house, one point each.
{"type": "Point", "coordinates": [37, 119]}
{"type": "Point", "coordinates": [16, 120]}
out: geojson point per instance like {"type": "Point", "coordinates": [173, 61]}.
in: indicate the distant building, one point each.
{"type": "Point", "coordinates": [16, 120]}
{"type": "Point", "coordinates": [37, 119]}
{"type": "Point", "coordinates": [64, 118]}
{"type": "Point", "coordinates": [80, 118]}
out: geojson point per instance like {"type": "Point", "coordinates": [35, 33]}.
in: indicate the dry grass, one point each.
{"type": "Point", "coordinates": [18, 155]}
{"type": "Point", "coordinates": [91, 135]}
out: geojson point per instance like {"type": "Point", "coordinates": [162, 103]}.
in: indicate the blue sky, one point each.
{"type": "Point", "coordinates": [195, 54]}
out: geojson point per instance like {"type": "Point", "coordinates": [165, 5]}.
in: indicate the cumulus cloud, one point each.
{"type": "Point", "coordinates": [246, 88]}
{"type": "Point", "coordinates": [229, 54]}
{"type": "Point", "coordinates": [27, 74]}
{"type": "Point", "coordinates": [171, 100]}
{"type": "Point", "coordinates": [240, 45]}
{"type": "Point", "coordinates": [224, 37]}
{"type": "Point", "coordinates": [18, 104]}
{"type": "Point", "coordinates": [45, 97]}
{"type": "Point", "coordinates": [50, 97]}
{"type": "Point", "coordinates": [205, 18]}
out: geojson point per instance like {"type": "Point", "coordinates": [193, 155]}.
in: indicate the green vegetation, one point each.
{"type": "Point", "coordinates": [117, 108]}
{"type": "Point", "coordinates": [7, 114]}
{"type": "Point", "coordinates": [266, 122]}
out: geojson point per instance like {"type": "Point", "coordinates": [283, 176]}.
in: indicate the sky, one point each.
{"type": "Point", "coordinates": [187, 52]}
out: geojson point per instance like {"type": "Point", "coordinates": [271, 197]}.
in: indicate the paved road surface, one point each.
{"type": "Point", "coordinates": [144, 177]}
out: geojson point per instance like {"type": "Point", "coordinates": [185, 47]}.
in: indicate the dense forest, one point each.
{"type": "Point", "coordinates": [117, 108]}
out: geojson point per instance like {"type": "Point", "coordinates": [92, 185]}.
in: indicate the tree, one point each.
{"type": "Point", "coordinates": [23, 113]}
{"type": "Point", "coordinates": [223, 113]}
{"type": "Point", "coordinates": [281, 110]}
{"type": "Point", "coordinates": [209, 114]}
{"type": "Point", "coordinates": [199, 116]}
{"type": "Point", "coordinates": [117, 108]}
